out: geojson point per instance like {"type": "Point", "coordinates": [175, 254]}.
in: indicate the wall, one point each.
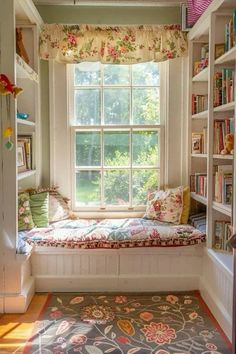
{"type": "Point", "coordinates": [119, 15]}
{"type": "Point", "coordinates": [109, 15]}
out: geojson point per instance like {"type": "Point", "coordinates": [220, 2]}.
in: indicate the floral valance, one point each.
{"type": "Point", "coordinates": [116, 44]}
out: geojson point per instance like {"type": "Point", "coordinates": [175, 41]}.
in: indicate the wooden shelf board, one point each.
{"type": "Point", "coordinates": [24, 71]}
{"type": "Point", "coordinates": [225, 107]}
{"type": "Point", "coordinates": [228, 57]}
{"type": "Point", "coordinates": [223, 157]}
{"type": "Point", "coordinates": [202, 76]}
{"type": "Point", "coordinates": [25, 122]}
{"type": "Point", "coordinates": [200, 115]}
{"type": "Point", "coordinates": [222, 208]}
{"type": "Point", "coordinates": [199, 198]}
{"type": "Point", "coordinates": [25, 174]}
{"type": "Point", "coordinates": [203, 156]}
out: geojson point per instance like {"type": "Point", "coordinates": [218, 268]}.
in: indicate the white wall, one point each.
{"type": "Point", "coordinates": [174, 168]}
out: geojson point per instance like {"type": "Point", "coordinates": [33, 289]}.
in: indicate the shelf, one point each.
{"type": "Point", "coordinates": [222, 208]}
{"type": "Point", "coordinates": [225, 107]}
{"type": "Point", "coordinates": [223, 157]}
{"type": "Point", "coordinates": [228, 57]}
{"type": "Point", "coordinates": [25, 122]}
{"type": "Point", "coordinates": [24, 71]}
{"type": "Point", "coordinates": [23, 175]}
{"type": "Point", "coordinates": [199, 198]}
{"type": "Point", "coordinates": [200, 115]}
{"type": "Point", "coordinates": [202, 76]}
{"type": "Point", "coordinates": [203, 156]}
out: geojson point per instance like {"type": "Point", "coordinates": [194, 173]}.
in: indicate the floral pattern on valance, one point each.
{"type": "Point", "coordinates": [111, 45]}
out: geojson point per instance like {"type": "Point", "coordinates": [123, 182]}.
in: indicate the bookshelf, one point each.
{"type": "Point", "coordinates": [217, 83]}
{"type": "Point", "coordinates": [16, 281]}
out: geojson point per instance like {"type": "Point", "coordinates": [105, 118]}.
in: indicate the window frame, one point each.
{"type": "Point", "coordinates": [115, 210]}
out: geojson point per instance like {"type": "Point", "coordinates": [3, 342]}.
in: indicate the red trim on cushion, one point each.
{"type": "Point", "coordinates": [213, 319]}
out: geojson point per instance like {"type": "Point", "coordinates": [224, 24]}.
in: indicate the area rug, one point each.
{"type": "Point", "coordinates": [146, 323]}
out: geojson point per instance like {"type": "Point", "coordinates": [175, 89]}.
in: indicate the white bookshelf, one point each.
{"type": "Point", "coordinates": [210, 29]}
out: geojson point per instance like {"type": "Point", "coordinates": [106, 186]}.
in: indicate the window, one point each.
{"type": "Point", "coordinates": [116, 134]}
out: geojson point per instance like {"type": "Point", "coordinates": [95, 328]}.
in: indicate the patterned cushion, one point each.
{"type": "Point", "coordinates": [39, 208]}
{"type": "Point", "coordinates": [58, 208]}
{"type": "Point", "coordinates": [25, 220]}
{"type": "Point", "coordinates": [186, 206]}
{"type": "Point", "coordinates": [166, 205]}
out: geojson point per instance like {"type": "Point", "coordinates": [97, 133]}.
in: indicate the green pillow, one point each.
{"type": "Point", "coordinates": [39, 208]}
{"type": "Point", "coordinates": [25, 220]}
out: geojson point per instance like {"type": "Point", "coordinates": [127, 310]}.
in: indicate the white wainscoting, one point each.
{"type": "Point", "coordinates": [139, 269]}
{"type": "Point", "coordinates": [216, 287]}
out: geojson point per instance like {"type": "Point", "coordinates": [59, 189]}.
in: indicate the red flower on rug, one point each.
{"type": "Point", "coordinates": [55, 314]}
{"type": "Point", "coordinates": [159, 333]}
{"type": "Point", "coordinates": [146, 316]}
{"type": "Point", "coordinates": [172, 299]}
{"type": "Point", "coordinates": [78, 339]}
{"type": "Point", "coordinates": [123, 340]}
{"type": "Point", "coordinates": [120, 299]}
{"type": "Point", "coordinates": [97, 314]}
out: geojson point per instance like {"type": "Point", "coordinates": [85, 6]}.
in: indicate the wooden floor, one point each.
{"type": "Point", "coordinates": [15, 329]}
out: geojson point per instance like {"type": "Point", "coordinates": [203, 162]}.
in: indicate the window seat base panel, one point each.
{"type": "Point", "coordinates": [137, 269]}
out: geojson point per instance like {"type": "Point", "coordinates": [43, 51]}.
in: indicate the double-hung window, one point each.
{"type": "Point", "coordinates": [116, 134]}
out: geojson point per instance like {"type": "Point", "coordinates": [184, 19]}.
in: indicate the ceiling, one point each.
{"type": "Point", "coordinates": [110, 2]}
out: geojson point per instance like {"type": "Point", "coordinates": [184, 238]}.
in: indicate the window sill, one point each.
{"type": "Point", "coordinates": [109, 214]}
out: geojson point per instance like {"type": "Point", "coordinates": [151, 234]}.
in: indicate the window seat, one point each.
{"type": "Point", "coordinates": [112, 234]}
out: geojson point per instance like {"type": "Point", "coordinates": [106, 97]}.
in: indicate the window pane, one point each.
{"type": "Point", "coordinates": [146, 106]}
{"type": "Point", "coordinates": [116, 106]}
{"type": "Point", "coordinates": [145, 74]}
{"type": "Point", "coordinates": [145, 148]}
{"type": "Point", "coordinates": [144, 181]}
{"type": "Point", "coordinates": [116, 75]}
{"type": "Point", "coordinates": [87, 74]}
{"type": "Point", "coordinates": [88, 149]}
{"type": "Point", "coordinates": [116, 148]}
{"type": "Point", "coordinates": [88, 106]}
{"type": "Point", "coordinates": [116, 187]}
{"type": "Point", "coordinates": [88, 188]}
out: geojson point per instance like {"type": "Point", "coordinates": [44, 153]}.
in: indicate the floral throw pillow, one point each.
{"type": "Point", "coordinates": [166, 205]}
{"type": "Point", "coordinates": [25, 220]}
{"type": "Point", "coordinates": [58, 207]}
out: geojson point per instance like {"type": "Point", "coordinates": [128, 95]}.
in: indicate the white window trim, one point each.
{"type": "Point", "coordinates": [164, 88]}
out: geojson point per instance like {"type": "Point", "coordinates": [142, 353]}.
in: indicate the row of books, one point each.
{"type": "Point", "coordinates": [222, 127]}
{"type": "Point", "coordinates": [199, 142]}
{"type": "Point", "coordinates": [230, 33]}
{"type": "Point", "coordinates": [223, 87]}
{"type": "Point", "coordinates": [198, 221]}
{"type": "Point", "coordinates": [199, 103]}
{"type": "Point", "coordinates": [223, 184]}
{"type": "Point", "coordinates": [222, 231]}
{"type": "Point", "coordinates": [198, 184]}
{"type": "Point", "coordinates": [203, 62]}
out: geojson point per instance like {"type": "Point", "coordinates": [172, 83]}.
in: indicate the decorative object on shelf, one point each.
{"type": "Point", "coordinates": [7, 88]}
{"type": "Point", "coordinates": [20, 48]}
{"type": "Point", "coordinates": [201, 64]}
{"type": "Point", "coordinates": [25, 141]}
{"type": "Point", "coordinates": [21, 158]}
{"type": "Point", "coordinates": [22, 115]}
{"type": "Point", "coordinates": [229, 144]}
{"type": "Point", "coordinates": [219, 50]}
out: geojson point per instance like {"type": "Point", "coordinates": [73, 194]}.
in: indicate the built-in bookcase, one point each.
{"type": "Point", "coordinates": [212, 78]}
{"type": "Point", "coordinates": [16, 282]}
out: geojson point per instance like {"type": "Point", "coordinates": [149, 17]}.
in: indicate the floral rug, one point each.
{"type": "Point", "coordinates": [95, 323]}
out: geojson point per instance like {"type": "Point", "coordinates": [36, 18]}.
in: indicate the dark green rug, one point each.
{"type": "Point", "coordinates": [144, 323]}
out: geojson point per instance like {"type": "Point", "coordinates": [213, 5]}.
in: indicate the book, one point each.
{"type": "Point", "coordinates": [196, 143]}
